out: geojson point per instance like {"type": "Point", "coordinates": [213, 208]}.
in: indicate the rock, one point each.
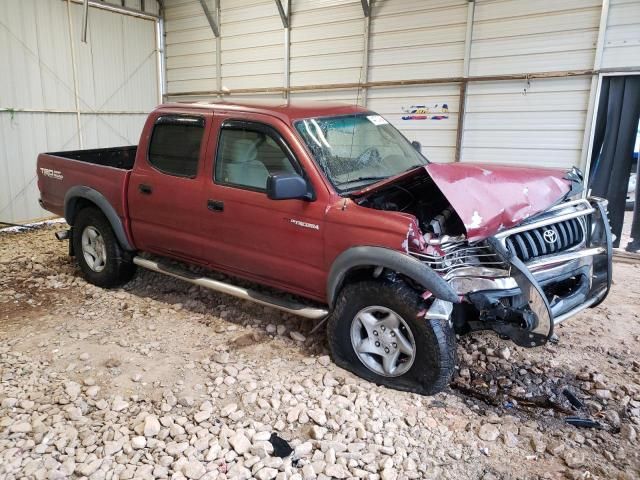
{"type": "Point", "coordinates": [238, 472]}
{"type": "Point", "coordinates": [510, 439]}
{"type": "Point", "coordinates": [574, 459]}
{"type": "Point", "coordinates": [308, 472]}
{"type": "Point", "coordinates": [138, 442]}
{"type": "Point", "coordinates": [317, 433]}
{"type": "Point", "coordinates": [240, 443]}
{"type": "Point", "coordinates": [21, 427]}
{"type": "Point", "coordinates": [118, 404]}
{"type": "Point", "coordinates": [83, 356]}
{"type": "Point", "coordinates": [603, 394]}
{"type": "Point", "coordinates": [489, 432]}
{"type": "Point", "coordinates": [72, 389]}
{"type": "Point", "coordinates": [388, 474]}
{"type": "Point", "coordinates": [221, 357]}
{"type": "Point", "coordinates": [504, 353]}
{"type": "Point", "coordinates": [93, 391]}
{"type": "Point", "coordinates": [324, 360]}
{"type": "Point", "coordinates": [298, 337]}
{"type": "Point", "coordinates": [318, 416]}
{"type": "Point", "coordinates": [261, 437]}
{"type": "Point", "coordinates": [613, 418]}
{"type": "Point", "coordinates": [194, 470]}
{"type": "Point", "coordinates": [336, 471]}
{"type": "Point", "coordinates": [151, 426]}
{"type": "Point", "coordinates": [228, 409]}
{"type": "Point", "coordinates": [9, 402]}
{"type": "Point", "coordinates": [555, 447]}
{"type": "Point", "coordinates": [538, 445]}
{"type": "Point", "coordinates": [111, 448]}
{"type": "Point", "coordinates": [628, 432]}
{"type": "Point", "coordinates": [175, 448]}
{"type": "Point", "coordinates": [266, 473]}
{"type": "Point", "coordinates": [201, 416]}
{"type": "Point", "coordinates": [303, 449]}
{"type": "Point", "coordinates": [87, 469]}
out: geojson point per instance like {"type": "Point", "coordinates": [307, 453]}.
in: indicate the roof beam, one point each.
{"type": "Point", "coordinates": [210, 19]}
{"type": "Point", "coordinates": [366, 7]}
{"type": "Point", "coordinates": [283, 15]}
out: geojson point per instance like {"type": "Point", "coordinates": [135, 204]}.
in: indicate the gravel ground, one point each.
{"type": "Point", "coordinates": [161, 379]}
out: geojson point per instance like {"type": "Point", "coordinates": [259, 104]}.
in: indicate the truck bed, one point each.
{"type": "Point", "coordinates": [105, 170]}
{"type": "Point", "coordinates": [117, 157]}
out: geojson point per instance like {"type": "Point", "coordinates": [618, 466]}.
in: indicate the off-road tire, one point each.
{"type": "Point", "coordinates": [435, 357]}
{"type": "Point", "coordinates": [118, 270]}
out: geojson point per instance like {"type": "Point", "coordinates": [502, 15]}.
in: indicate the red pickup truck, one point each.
{"type": "Point", "coordinates": [332, 204]}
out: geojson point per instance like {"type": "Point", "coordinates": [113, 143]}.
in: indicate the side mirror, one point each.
{"type": "Point", "coordinates": [286, 186]}
{"type": "Point", "coordinates": [417, 145]}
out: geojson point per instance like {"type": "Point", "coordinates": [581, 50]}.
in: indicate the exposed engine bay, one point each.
{"type": "Point", "coordinates": [420, 197]}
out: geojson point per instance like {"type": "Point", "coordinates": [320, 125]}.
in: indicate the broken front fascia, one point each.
{"type": "Point", "coordinates": [497, 270]}
{"type": "Point", "coordinates": [521, 300]}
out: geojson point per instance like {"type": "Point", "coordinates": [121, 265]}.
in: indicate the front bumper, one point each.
{"type": "Point", "coordinates": [527, 300]}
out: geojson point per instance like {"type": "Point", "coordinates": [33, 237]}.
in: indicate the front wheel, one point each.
{"type": "Point", "coordinates": [375, 333]}
{"type": "Point", "coordinates": [100, 256]}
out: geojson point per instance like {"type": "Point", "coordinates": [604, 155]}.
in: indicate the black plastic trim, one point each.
{"type": "Point", "coordinates": [396, 261]}
{"type": "Point", "coordinates": [80, 191]}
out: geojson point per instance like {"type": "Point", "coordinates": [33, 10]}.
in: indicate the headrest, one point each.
{"type": "Point", "coordinates": [240, 150]}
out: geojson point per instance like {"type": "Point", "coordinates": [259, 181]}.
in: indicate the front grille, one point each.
{"type": "Point", "coordinates": [546, 240]}
{"type": "Point", "coordinates": [454, 256]}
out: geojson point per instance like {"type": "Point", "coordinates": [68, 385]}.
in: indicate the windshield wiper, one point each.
{"type": "Point", "coordinates": [370, 180]}
{"type": "Point", "coordinates": [414, 166]}
{"type": "Point", "coordinates": [362, 179]}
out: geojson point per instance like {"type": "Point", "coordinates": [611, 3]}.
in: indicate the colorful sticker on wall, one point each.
{"type": "Point", "coordinates": [424, 112]}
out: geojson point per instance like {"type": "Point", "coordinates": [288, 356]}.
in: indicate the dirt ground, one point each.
{"type": "Point", "coordinates": [160, 379]}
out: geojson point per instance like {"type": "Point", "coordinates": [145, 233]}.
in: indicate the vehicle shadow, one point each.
{"type": "Point", "coordinates": [253, 322]}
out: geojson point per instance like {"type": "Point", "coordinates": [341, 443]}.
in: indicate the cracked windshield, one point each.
{"type": "Point", "coordinates": [355, 151]}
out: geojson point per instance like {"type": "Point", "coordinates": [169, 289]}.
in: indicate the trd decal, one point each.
{"type": "Point", "coordinates": [55, 174]}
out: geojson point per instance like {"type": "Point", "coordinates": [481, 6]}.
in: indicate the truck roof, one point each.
{"type": "Point", "coordinates": [286, 110]}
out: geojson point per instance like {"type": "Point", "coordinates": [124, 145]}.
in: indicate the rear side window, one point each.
{"type": "Point", "coordinates": [175, 145]}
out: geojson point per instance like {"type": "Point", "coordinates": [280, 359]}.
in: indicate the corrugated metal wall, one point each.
{"type": "Point", "coordinates": [417, 39]}
{"type": "Point", "coordinates": [540, 121]}
{"type": "Point", "coordinates": [116, 79]}
{"type": "Point", "coordinates": [622, 38]}
{"type": "Point", "coordinates": [521, 121]}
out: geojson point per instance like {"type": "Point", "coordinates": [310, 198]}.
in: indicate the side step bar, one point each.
{"type": "Point", "coordinates": [239, 292]}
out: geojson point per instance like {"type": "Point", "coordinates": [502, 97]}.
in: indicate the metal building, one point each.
{"type": "Point", "coordinates": [59, 93]}
{"type": "Point", "coordinates": [505, 81]}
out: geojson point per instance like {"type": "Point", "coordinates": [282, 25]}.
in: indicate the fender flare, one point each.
{"type": "Point", "coordinates": [88, 193]}
{"type": "Point", "coordinates": [399, 262]}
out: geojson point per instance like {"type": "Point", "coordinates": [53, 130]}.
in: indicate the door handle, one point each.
{"type": "Point", "coordinates": [215, 205]}
{"type": "Point", "coordinates": [145, 189]}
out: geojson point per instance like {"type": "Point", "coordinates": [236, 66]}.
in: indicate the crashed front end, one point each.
{"type": "Point", "coordinates": [516, 244]}
{"type": "Point", "coordinates": [523, 281]}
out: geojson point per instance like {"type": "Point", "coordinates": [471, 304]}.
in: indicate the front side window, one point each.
{"type": "Point", "coordinates": [246, 157]}
{"type": "Point", "coordinates": [357, 150]}
{"type": "Point", "coordinates": [175, 145]}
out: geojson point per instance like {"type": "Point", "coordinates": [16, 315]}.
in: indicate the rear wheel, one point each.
{"type": "Point", "coordinates": [100, 256]}
{"type": "Point", "coordinates": [375, 332]}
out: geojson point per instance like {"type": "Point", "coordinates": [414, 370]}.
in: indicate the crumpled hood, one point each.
{"type": "Point", "coordinates": [490, 198]}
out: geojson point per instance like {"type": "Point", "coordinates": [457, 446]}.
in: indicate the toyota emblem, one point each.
{"type": "Point", "coordinates": [550, 236]}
